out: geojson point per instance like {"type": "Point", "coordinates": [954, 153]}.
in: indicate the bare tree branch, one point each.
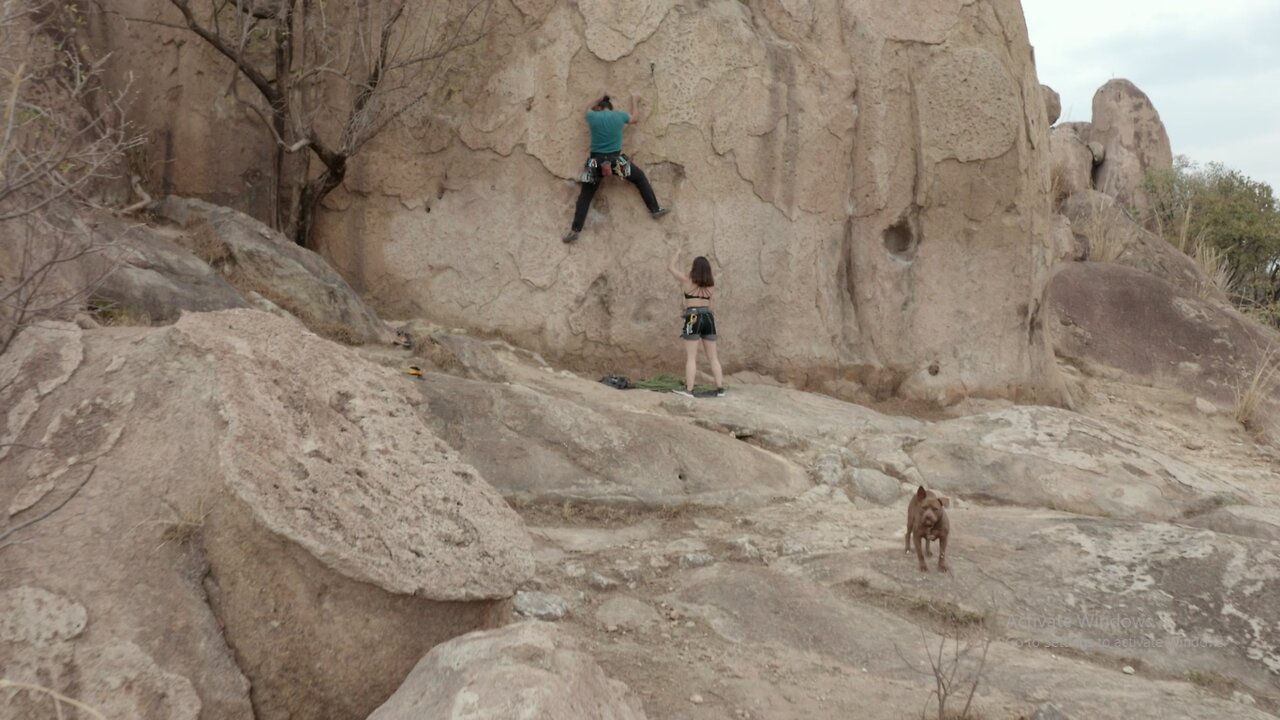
{"type": "Point", "coordinates": [51, 510]}
{"type": "Point", "coordinates": [332, 84]}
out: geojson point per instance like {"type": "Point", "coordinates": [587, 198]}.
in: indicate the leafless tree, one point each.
{"type": "Point", "coordinates": [956, 671]}
{"type": "Point", "coordinates": [62, 140]}
{"type": "Point", "coordinates": [332, 76]}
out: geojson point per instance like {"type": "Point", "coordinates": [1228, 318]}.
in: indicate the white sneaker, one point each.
{"type": "Point", "coordinates": [719, 392]}
{"type": "Point", "coordinates": [683, 392]}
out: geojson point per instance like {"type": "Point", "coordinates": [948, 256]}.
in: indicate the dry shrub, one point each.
{"type": "Point", "coordinates": [1103, 230]}
{"type": "Point", "coordinates": [111, 314]}
{"type": "Point", "coordinates": [205, 244]}
{"type": "Point", "coordinates": [1217, 270]}
{"type": "Point", "coordinates": [1254, 388]}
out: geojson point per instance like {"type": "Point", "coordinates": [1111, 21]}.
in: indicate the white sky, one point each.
{"type": "Point", "coordinates": [1211, 67]}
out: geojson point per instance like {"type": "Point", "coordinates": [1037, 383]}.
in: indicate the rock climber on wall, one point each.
{"type": "Point", "coordinates": [607, 159]}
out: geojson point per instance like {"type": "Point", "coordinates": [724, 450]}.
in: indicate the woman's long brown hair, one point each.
{"type": "Point", "coordinates": [701, 273]}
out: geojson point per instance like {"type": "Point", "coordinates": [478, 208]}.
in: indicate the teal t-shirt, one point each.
{"type": "Point", "coordinates": [606, 130]}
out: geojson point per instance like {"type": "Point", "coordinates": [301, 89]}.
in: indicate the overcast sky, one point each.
{"type": "Point", "coordinates": [1211, 67]}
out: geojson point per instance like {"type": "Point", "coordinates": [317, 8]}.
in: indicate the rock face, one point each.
{"type": "Point", "coordinates": [230, 516]}
{"type": "Point", "coordinates": [1134, 138]}
{"type": "Point", "coordinates": [868, 179]}
{"type": "Point", "coordinates": [1121, 318]}
{"type": "Point", "coordinates": [526, 670]}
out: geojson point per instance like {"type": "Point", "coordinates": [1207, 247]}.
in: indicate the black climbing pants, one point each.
{"type": "Point", "coordinates": [588, 192]}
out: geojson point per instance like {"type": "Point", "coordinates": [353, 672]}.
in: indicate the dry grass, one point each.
{"type": "Point", "coordinates": [1216, 268]}
{"type": "Point", "coordinates": [1254, 388]}
{"type": "Point", "coordinates": [1214, 681]}
{"type": "Point", "coordinates": [184, 525]}
{"type": "Point", "coordinates": [607, 514]}
{"type": "Point", "coordinates": [205, 244]}
{"type": "Point", "coordinates": [1212, 262]}
{"type": "Point", "coordinates": [112, 314]}
{"type": "Point", "coordinates": [1103, 230]}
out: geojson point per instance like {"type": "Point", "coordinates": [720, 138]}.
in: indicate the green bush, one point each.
{"type": "Point", "coordinates": [1213, 206]}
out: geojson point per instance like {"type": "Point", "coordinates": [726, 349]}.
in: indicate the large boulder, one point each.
{"type": "Point", "coordinates": [526, 670]}
{"type": "Point", "coordinates": [260, 261]}
{"type": "Point", "coordinates": [537, 446]}
{"type": "Point", "coordinates": [144, 272]}
{"type": "Point", "coordinates": [869, 177]}
{"type": "Point", "coordinates": [1113, 316]}
{"type": "Point", "coordinates": [230, 503]}
{"type": "Point", "coordinates": [1134, 138]}
{"type": "Point", "coordinates": [1072, 164]}
{"type": "Point", "coordinates": [1111, 235]}
{"type": "Point", "coordinates": [1052, 103]}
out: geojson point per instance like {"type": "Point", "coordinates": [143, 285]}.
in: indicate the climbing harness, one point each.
{"type": "Point", "coordinates": [596, 168]}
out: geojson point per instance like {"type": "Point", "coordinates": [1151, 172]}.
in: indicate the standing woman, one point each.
{"type": "Point", "coordinates": [699, 322]}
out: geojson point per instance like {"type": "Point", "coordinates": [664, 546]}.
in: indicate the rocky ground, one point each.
{"type": "Point", "coordinates": [232, 517]}
{"type": "Point", "coordinates": [1113, 562]}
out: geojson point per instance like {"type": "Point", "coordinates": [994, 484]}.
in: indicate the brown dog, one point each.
{"type": "Point", "coordinates": [927, 520]}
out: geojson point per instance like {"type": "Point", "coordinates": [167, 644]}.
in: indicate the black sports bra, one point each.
{"type": "Point", "coordinates": [687, 296]}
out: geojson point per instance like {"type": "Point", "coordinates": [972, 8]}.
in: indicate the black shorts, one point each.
{"type": "Point", "coordinates": [698, 323]}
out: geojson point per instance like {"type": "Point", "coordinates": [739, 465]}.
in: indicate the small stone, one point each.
{"type": "Point", "coordinates": [1098, 151]}
{"type": "Point", "coordinates": [689, 623]}
{"type": "Point", "coordinates": [696, 699]}
{"type": "Point", "coordinates": [626, 612]}
{"type": "Point", "coordinates": [875, 486]}
{"type": "Point", "coordinates": [827, 470]}
{"type": "Point", "coordinates": [574, 570]}
{"type": "Point", "coordinates": [1205, 407]}
{"type": "Point", "coordinates": [659, 563]}
{"type": "Point", "coordinates": [631, 573]}
{"type": "Point", "coordinates": [611, 628]}
{"type": "Point", "coordinates": [1049, 711]}
{"type": "Point", "coordinates": [540, 605]}
{"type": "Point", "coordinates": [1128, 670]}
{"type": "Point", "coordinates": [824, 495]}
{"type": "Point", "coordinates": [1243, 698]}
{"type": "Point", "coordinates": [600, 582]}
{"type": "Point", "coordinates": [743, 549]}
{"type": "Point", "coordinates": [696, 560]}
{"type": "Point", "coordinates": [788, 548]}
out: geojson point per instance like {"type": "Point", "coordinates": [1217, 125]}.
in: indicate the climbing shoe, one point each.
{"type": "Point", "coordinates": [719, 392]}
{"type": "Point", "coordinates": [660, 212]}
{"type": "Point", "coordinates": [573, 235]}
{"type": "Point", "coordinates": [683, 392]}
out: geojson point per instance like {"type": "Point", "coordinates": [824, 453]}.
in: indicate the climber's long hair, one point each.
{"type": "Point", "coordinates": [701, 273]}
